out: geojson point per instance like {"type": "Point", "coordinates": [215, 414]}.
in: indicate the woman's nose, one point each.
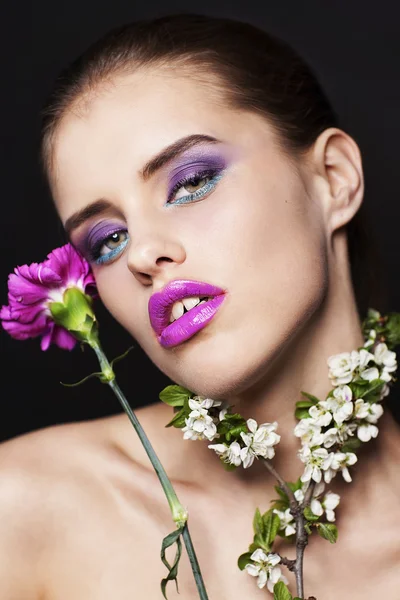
{"type": "Point", "coordinates": [149, 257]}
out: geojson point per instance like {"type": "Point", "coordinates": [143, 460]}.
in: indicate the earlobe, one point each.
{"type": "Point", "coordinates": [338, 160]}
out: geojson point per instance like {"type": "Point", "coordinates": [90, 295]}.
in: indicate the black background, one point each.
{"type": "Point", "coordinates": [354, 49]}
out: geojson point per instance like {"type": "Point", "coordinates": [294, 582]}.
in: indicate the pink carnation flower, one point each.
{"type": "Point", "coordinates": [32, 287]}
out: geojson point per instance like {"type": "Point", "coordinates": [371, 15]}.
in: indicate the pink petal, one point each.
{"type": "Point", "coordinates": [63, 338]}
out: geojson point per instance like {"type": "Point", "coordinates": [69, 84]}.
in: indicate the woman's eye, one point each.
{"type": "Point", "coordinates": [110, 247]}
{"type": "Point", "coordinates": [194, 183]}
{"type": "Point", "coordinates": [197, 186]}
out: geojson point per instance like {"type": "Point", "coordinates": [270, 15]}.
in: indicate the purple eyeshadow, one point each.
{"type": "Point", "coordinates": [96, 236]}
{"type": "Point", "coordinates": [199, 161]}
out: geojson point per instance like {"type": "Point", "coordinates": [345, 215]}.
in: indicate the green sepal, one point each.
{"type": "Point", "coordinates": [309, 515]}
{"type": "Point", "coordinates": [328, 531]}
{"type": "Point", "coordinates": [175, 395]}
{"type": "Point", "coordinates": [75, 314]}
{"type": "Point", "coordinates": [244, 559]}
{"type": "Point", "coordinates": [281, 592]}
{"type": "Point", "coordinates": [174, 537]}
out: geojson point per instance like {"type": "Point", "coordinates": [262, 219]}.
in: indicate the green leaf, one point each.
{"type": "Point", "coordinates": [281, 505]}
{"type": "Point", "coordinates": [301, 413]}
{"type": "Point", "coordinates": [235, 419]}
{"type": "Point", "coordinates": [235, 432]}
{"type": "Point", "coordinates": [297, 485]}
{"type": "Point", "coordinates": [307, 528]}
{"type": "Point", "coordinates": [281, 493]}
{"type": "Point", "coordinates": [244, 559]}
{"type": "Point", "coordinates": [328, 531]}
{"type": "Point", "coordinates": [174, 537]}
{"type": "Point", "coordinates": [351, 445]}
{"type": "Point", "coordinates": [312, 398]}
{"type": "Point", "coordinates": [309, 515]}
{"type": "Point", "coordinates": [174, 395]}
{"type": "Point", "coordinates": [179, 419]}
{"type": "Point", "coordinates": [281, 592]}
{"type": "Point", "coordinates": [373, 392]}
{"type": "Point", "coordinates": [258, 523]}
{"type": "Point", "coordinates": [304, 404]}
{"type": "Point", "coordinates": [271, 527]}
{"type": "Point", "coordinates": [392, 330]}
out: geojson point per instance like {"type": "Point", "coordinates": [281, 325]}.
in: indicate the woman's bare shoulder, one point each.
{"type": "Point", "coordinates": [61, 489]}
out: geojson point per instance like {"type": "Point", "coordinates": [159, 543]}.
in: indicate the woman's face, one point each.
{"type": "Point", "coordinates": [247, 222]}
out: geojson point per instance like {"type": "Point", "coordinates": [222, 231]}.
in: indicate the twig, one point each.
{"type": "Point", "coordinates": [283, 485]}
{"type": "Point", "coordinates": [297, 510]}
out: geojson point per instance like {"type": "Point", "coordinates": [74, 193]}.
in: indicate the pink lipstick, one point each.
{"type": "Point", "coordinates": [160, 309]}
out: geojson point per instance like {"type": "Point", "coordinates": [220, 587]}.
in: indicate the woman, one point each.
{"type": "Point", "coordinates": [190, 148]}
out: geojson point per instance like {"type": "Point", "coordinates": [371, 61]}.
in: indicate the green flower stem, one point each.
{"type": "Point", "coordinates": [194, 563]}
{"type": "Point", "coordinates": [179, 514]}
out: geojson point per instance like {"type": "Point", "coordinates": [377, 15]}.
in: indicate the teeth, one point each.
{"type": "Point", "coordinates": [189, 303]}
{"type": "Point", "coordinates": [177, 310]}
{"type": "Point", "coordinates": [178, 307]}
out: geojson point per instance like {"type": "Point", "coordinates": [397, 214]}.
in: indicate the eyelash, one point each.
{"type": "Point", "coordinates": [214, 174]}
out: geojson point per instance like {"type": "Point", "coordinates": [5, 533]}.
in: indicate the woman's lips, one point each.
{"type": "Point", "coordinates": [160, 307]}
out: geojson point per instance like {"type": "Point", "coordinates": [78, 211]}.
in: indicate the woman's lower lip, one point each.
{"type": "Point", "coordinates": [190, 323]}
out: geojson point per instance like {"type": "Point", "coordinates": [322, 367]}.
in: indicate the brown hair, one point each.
{"type": "Point", "coordinates": [248, 68]}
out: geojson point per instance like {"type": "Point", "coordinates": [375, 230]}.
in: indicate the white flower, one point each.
{"type": "Point", "coordinates": [320, 415]}
{"type": "Point", "coordinates": [365, 357]}
{"type": "Point", "coordinates": [385, 357]}
{"type": "Point", "coordinates": [230, 454]}
{"type": "Point", "coordinates": [370, 374]}
{"type": "Point", "coordinates": [339, 434]}
{"type": "Point", "coordinates": [222, 414]}
{"type": "Point", "coordinates": [366, 431]}
{"type": "Point", "coordinates": [286, 518]}
{"type": "Point", "coordinates": [199, 426]}
{"type": "Point", "coordinates": [342, 366]}
{"type": "Point", "coordinates": [340, 403]}
{"type": "Point", "coordinates": [384, 391]}
{"type": "Point", "coordinates": [259, 442]}
{"type": "Point", "coordinates": [366, 410]}
{"type": "Point", "coordinates": [299, 495]}
{"type": "Point", "coordinates": [309, 432]}
{"type": "Point", "coordinates": [360, 409]}
{"type": "Point", "coordinates": [339, 461]}
{"type": "Point", "coordinates": [265, 569]}
{"type": "Point", "coordinates": [370, 413]}
{"type": "Point", "coordinates": [315, 462]}
{"type": "Point", "coordinates": [371, 339]}
{"type": "Point", "coordinates": [386, 374]}
{"type": "Point", "coordinates": [328, 504]}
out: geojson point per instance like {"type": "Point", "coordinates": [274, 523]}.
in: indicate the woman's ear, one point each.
{"type": "Point", "coordinates": [337, 160]}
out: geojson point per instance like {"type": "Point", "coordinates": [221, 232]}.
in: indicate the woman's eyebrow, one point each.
{"type": "Point", "coordinates": [161, 159]}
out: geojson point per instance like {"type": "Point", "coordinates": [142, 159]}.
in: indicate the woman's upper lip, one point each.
{"type": "Point", "coordinates": [160, 303]}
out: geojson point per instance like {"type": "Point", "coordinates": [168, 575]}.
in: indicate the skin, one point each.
{"type": "Point", "coordinates": [271, 233]}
